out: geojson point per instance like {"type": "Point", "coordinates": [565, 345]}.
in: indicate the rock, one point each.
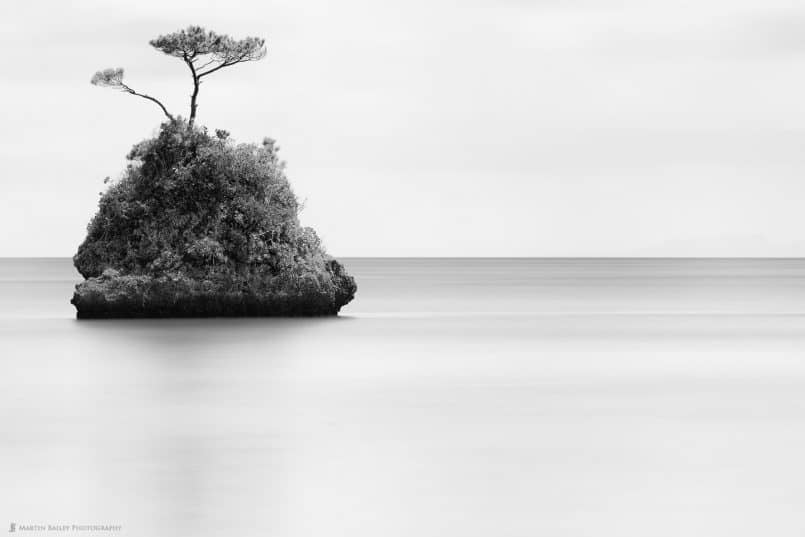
{"type": "Point", "coordinates": [114, 296]}
{"type": "Point", "coordinates": [198, 227]}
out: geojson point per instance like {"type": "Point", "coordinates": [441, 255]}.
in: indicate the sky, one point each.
{"type": "Point", "coordinates": [437, 127]}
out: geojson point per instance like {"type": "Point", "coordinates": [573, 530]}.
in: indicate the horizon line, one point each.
{"type": "Point", "coordinates": [580, 257]}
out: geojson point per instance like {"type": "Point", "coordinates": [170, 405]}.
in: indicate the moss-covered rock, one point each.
{"type": "Point", "coordinates": [200, 226]}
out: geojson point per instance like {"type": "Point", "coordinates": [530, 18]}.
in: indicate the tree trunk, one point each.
{"type": "Point", "coordinates": [194, 96]}
{"type": "Point", "coordinates": [193, 104]}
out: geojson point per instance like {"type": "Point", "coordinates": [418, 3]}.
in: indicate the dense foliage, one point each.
{"type": "Point", "coordinates": [203, 216]}
{"type": "Point", "coordinates": [196, 41]}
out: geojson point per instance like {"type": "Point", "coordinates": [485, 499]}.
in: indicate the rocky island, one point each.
{"type": "Point", "coordinates": [199, 226]}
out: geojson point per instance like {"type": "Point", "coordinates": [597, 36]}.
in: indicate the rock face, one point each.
{"type": "Point", "coordinates": [198, 227]}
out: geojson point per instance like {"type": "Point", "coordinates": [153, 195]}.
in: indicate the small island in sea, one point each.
{"type": "Point", "coordinates": [199, 226]}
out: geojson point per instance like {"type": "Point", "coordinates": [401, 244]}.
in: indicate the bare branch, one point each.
{"type": "Point", "coordinates": [153, 99]}
{"type": "Point", "coordinates": [209, 72]}
{"type": "Point", "coordinates": [200, 67]}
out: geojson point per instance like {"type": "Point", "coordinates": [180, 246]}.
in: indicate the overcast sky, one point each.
{"type": "Point", "coordinates": [437, 127]}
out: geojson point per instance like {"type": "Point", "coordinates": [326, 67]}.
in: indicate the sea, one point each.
{"type": "Point", "coordinates": [452, 397]}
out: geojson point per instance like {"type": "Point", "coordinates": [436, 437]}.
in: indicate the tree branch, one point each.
{"type": "Point", "coordinates": [144, 96]}
{"type": "Point", "coordinates": [199, 68]}
{"type": "Point", "coordinates": [225, 64]}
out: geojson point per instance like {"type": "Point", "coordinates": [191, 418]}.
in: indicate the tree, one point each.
{"type": "Point", "coordinates": [203, 51]}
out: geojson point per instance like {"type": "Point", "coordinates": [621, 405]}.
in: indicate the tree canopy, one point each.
{"type": "Point", "coordinates": [221, 50]}
{"type": "Point", "coordinates": [203, 51]}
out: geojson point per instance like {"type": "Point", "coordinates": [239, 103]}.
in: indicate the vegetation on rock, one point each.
{"type": "Point", "coordinates": [199, 225]}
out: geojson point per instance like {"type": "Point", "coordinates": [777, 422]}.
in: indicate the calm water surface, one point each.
{"type": "Point", "coordinates": [453, 397]}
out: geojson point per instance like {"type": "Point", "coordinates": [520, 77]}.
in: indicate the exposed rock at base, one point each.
{"type": "Point", "coordinates": [201, 227]}
{"type": "Point", "coordinates": [114, 296]}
